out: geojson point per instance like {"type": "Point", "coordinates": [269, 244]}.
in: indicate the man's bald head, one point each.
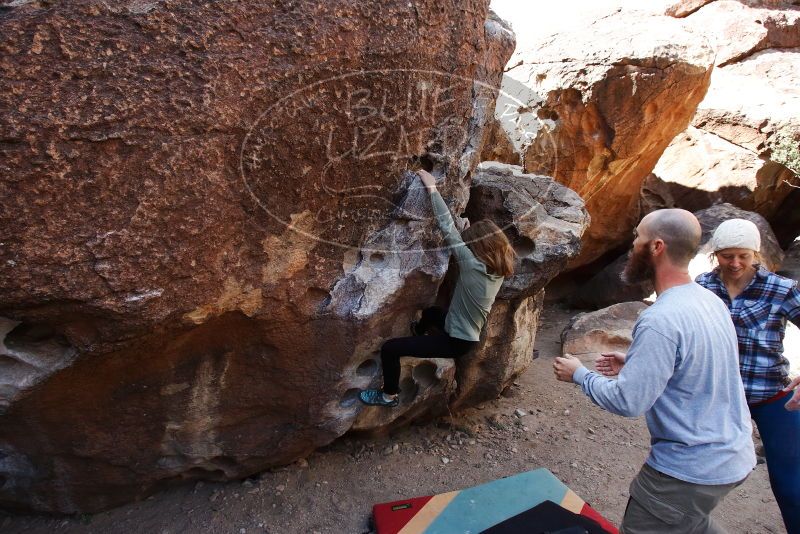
{"type": "Point", "coordinates": [678, 229]}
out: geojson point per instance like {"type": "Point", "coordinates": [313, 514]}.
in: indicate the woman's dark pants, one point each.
{"type": "Point", "coordinates": [438, 345]}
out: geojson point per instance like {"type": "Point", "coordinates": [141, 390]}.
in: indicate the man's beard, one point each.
{"type": "Point", "coordinates": [639, 267]}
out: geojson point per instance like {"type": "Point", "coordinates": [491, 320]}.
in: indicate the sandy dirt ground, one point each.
{"type": "Point", "coordinates": [595, 453]}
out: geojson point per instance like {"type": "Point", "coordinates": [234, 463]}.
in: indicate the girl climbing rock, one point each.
{"type": "Point", "coordinates": [484, 257]}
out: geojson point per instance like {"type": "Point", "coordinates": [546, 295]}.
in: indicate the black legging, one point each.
{"type": "Point", "coordinates": [433, 346]}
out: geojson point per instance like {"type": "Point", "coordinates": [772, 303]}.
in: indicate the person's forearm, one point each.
{"type": "Point", "coordinates": [633, 392]}
{"type": "Point", "coordinates": [606, 393]}
{"type": "Point", "coordinates": [443, 217]}
{"type": "Point", "coordinates": [603, 391]}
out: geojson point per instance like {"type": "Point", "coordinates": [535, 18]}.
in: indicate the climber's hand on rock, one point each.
{"type": "Point", "coordinates": [427, 179]}
{"type": "Point", "coordinates": [609, 363]}
{"type": "Point", "coordinates": [564, 367]}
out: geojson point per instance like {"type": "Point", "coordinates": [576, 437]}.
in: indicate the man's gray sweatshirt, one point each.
{"type": "Point", "coordinates": [682, 373]}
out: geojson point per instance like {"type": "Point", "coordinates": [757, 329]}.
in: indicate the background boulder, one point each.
{"type": "Point", "coordinates": [699, 169]}
{"type": "Point", "coordinates": [738, 29]}
{"type": "Point", "coordinates": [744, 143]}
{"type": "Point", "coordinates": [712, 217]}
{"type": "Point", "coordinates": [606, 330]}
{"type": "Point", "coordinates": [597, 107]}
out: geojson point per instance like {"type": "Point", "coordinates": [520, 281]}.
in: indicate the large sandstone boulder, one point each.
{"type": "Point", "coordinates": [599, 105]}
{"type": "Point", "coordinates": [699, 169]}
{"type": "Point", "coordinates": [738, 30]}
{"type": "Point", "coordinates": [544, 221]}
{"type": "Point", "coordinates": [207, 243]}
{"type": "Point", "coordinates": [754, 105]}
{"type": "Point", "coordinates": [606, 330]}
{"type": "Point", "coordinates": [744, 143]}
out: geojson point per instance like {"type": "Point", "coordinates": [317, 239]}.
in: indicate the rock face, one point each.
{"type": "Point", "coordinates": [207, 243]}
{"type": "Point", "coordinates": [744, 144]}
{"type": "Point", "coordinates": [426, 387]}
{"type": "Point", "coordinates": [600, 105]}
{"type": "Point", "coordinates": [498, 146]}
{"type": "Point", "coordinates": [683, 8]}
{"type": "Point", "coordinates": [753, 104]}
{"type": "Point", "coordinates": [737, 30]}
{"type": "Point", "coordinates": [544, 221]}
{"type": "Point", "coordinates": [699, 169]}
{"type": "Point", "coordinates": [606, 330]}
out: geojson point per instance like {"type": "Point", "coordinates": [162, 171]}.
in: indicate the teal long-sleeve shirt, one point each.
{"type": "Point", "coordinates": [475, 289]}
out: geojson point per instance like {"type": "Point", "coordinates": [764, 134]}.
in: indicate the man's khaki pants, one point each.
{"type": "Point", "coordinates": [661, 503]}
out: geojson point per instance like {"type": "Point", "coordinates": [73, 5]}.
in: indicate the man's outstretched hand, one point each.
{"type": "Point", "coordinates": [427, 179]}
{"type": "Point", "coordinates": [564, 367]}
{"type": "Point", "coordinates": [609, 363]}
{"type": "Point", "coordinates": [793, 403]}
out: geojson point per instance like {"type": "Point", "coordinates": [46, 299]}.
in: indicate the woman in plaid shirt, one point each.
{"type": "Point", "coordinates": [760, 303]}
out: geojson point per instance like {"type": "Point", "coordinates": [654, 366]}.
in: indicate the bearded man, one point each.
{"type": "Point", "coordinates": [682, 373]}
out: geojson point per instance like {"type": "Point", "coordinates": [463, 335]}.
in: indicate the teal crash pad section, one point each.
{"type": "Point", "coordinates": [475, 509]}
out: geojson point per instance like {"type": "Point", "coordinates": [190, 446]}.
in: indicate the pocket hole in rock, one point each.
{"type": "Point", "coordinates": [25, 335]}
{"type": "Point", "coordinates": [367, 368]}
{"type": "Point", "coordinates": [423, 161]}
{"type": "Point", "coordinates": [524, 247]}
{"type": "Point", "coordinates": [350, 398]}
{"type": "Point", "coordinates": [39, 343]}
{"type": "Point", "coordinates": [316, 299]}
{"type": "Point", "coordinates": [425, 374]}
{"type": "Point", "coordinates": [377, 258]}
{"type": "Point", "coordinates": [408, 390]}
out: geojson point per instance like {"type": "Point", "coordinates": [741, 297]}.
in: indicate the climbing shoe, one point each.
{"type": "Point", "coordinates": [374, 397]}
